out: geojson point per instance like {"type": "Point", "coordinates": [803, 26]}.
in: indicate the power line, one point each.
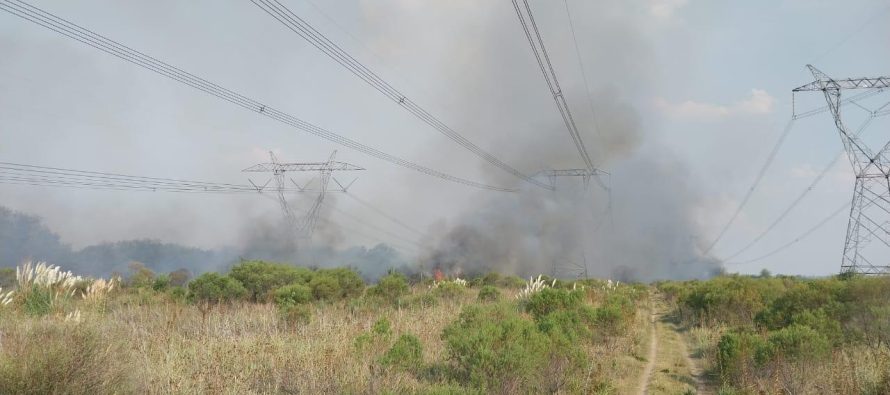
{"type": "Point", "coordinates": [44, 176]}
{"type": "Point", "coordinates": [596, 126]}
{"type": "Point", "coordinates": [85, 36]}
{"type": "Point", "coordinates": [385, 215]}
{"type": "Point", "coordinates": [798, 238]}
{"type": "Point", "coordinates": [754, 185]}
{"type": "Point", "coordinates": [16, 173]}
{"type": "Point", "coordinates": [543, 59]}
{"type": "Point", "coordinates": [800, 197]}
{"type": "Point", "coordinates": [875, 16]}
{"type": "Point", "coordinates": [299, 26]}
{"type": "Point", "coordinates": [374, 227]}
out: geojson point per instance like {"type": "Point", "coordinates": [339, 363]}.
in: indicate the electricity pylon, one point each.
{"type": "Point", "coordinates": [867, 244]}
{"type": "Point", "coordinates": [305, 226]}
{"type": "Point", "coordinates": [574, 268]}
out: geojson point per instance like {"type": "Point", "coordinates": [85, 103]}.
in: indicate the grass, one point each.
{"type": "Point", "coordinates": [112, 338]}
{"type": "Point", "coordinates": [137, 340]}
{"type": "Point", "coordinates": [673, 373]}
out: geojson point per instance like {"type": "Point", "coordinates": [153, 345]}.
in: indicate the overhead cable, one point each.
{"type": "Point", "coordinates": [75, 32]}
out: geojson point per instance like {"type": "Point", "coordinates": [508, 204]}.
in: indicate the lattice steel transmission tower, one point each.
{"type": "Point", "coordinates": [305, 226]}
{"type": "Point", "coordinates": [867, 245]}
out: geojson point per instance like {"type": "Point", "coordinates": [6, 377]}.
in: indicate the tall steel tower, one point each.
{"type": "Point", "coordinates": [305, 226]}
{"type": "Point", "coordinates": [867, 245]}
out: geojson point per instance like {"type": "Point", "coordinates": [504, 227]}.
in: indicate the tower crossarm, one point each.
{"type": "Point", "coordinates": [824, 82]}
{"type": "Point", "coordinates": [314, 166]}
{"type": "Point", "coordinates": [847, 83]}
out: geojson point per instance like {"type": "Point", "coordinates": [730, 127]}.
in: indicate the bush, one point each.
{"type": "Point", "coordinates": [180, 277]}
{"type": "Point", "coordinates": [38, 301]}
{"type": "Point", "coordinates": [324, 287]}
{"type": "Point", "coordinates": [141, 276]}
{"type": "Point", "coordinates": [514, 282]}
{"type": "Point", "coordinates": [738, 353]}
{"type": "Point", "coordinates": [732, 300]}
{"type": "Point", "coordinates": [390, 287]}
{"type": "Point", "coordinates": [569, 327]}
{"type": "Point", "coordinates": [810, 295]}
{"type": "Point", "coordinates": [211, 288]}
{"type": "Point", "coordinates": [295, 314]}
{"type": "Point", "coordinates": [549, 300]}
{"type": "Point", "coordinates": [492, 278]}
{"type": "Point", "coordinates": [349, 282]}
{"type": "Point", "coordinates": [293, 294]}
{"type": "Point", "coordinates": [260, 278]}
{"type": "Point", "coordinates": [161, 283]}
{"type": "Point", "coordinates": [406, 354]}
{"type": "Point", "coordinates": [489, 293]}
{"type": "Point", "coordinates": [495, 349]}
{"type": "Point", "coordinates": [449, 290]}
{"type": "Point", "coordinates": [381, 330]}
{"type": "Point", "coordinates": [799, 342]}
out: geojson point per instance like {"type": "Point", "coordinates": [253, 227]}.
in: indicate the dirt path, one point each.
{"type": "Point", "coordinates": [669, 370]}
{"type": "Point", "coordinates": [653, 353]}
{"type": "Point", "coordinates": [697, 373]}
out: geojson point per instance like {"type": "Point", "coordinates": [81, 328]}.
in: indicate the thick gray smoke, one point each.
{"type": "Point", "coordinates": [649, 232]}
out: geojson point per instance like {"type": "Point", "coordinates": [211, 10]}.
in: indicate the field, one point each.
{"type": "Point", "coordinates": [273, 328]}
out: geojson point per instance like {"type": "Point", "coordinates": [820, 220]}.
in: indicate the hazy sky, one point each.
{"type": "Point", "coordinates": [709, 81]}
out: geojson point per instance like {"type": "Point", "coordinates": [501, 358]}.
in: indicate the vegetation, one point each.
{"type": "Point", "coordinates": [783, 334]}
{"type": "Point", "coordinates": [286, 329]}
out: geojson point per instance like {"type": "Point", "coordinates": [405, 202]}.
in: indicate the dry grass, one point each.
{"type": "Point", "coordinates": [139, 341]}
{"type": "Point", "coordinates": [244, 348]}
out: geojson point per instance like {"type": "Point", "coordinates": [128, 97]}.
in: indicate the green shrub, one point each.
{"type": "Point", "coordinates": [739, 353]}
{"type": "Point", "coordinates": [492, 278]}
{"type": "Point", "coordinates": [211, 288]}
{"type": "Point", "coordinates": [141, 276]}
{"type": "Point", "coordinates": [38, 301]}
{"type": "Point", "coordinates": [730, 300]}
{"type": "Point", "coordinates": [161, 283]}
{"type": "Point", "coordinates": [349, 282]}
{"type": "Point", "coordinates": [391, 287]}
{"type": "Point", "coordinates": [448, 389]}
{"type": "Point", "coordinates": [569, 327]}
{"type": "Point", "coordinates": [514, 282]}
{"type": "Point", "coordinates": [295, 314]}
{"type": "Point", "coordinates": [180, 277]}
{"type": "Point", "coordinates": [549, 300]}
{"type": "Point", "coordinates": [809, 295]}
{"type": "Point", "coordinates": [382, 327]}
{"type": "Point", "coordinates": [178, 294]}
{"type": "Point", "coordinates": [324, 287]}
{"type": "Point", "coordinates": [494, 348]}
{"type": "Point", "coordinates": [406, 354]}
{"type": "Point", "coordinates": [449, 290]}
{"type": "Point", "coordinates": [260, 278]}
{"type": "Point", "coordinates": [799, 342]}
{"type": "Point", "coordinates": [489, 293]}
{"type": "Point", "coordinates": [380, 331]}
{"type": "Point", "coordinates": [823, 323]}
{"type": "Point", "coordinates": [293, 294]}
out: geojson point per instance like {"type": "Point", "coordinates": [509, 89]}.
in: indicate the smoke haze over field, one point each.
{"type": "Point", "coordinates": [682, 121]}
{"type": "Point", "coordinates": [539, 231]}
